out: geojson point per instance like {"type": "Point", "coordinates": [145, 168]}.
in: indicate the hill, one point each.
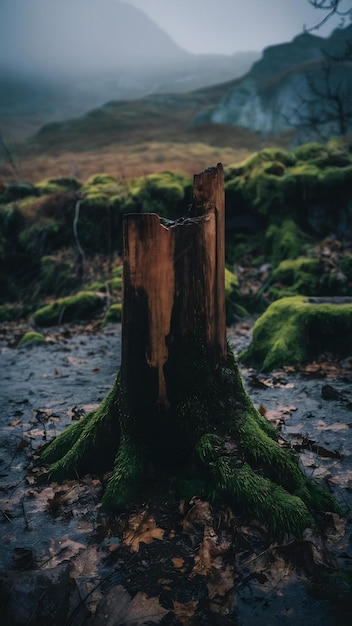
{"type": "Point", "coordinates": [60, 59]}
{"type": "Point", "coordinates": [304, 86]}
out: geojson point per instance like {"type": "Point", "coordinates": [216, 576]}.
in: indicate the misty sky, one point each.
{"type": "Point", "coordinates": [53, 36]}
{"type": "Point", "coordinates": [228, 26]}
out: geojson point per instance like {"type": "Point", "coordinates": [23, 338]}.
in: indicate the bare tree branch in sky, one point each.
{"type": "Point", "coordinates": [331, 8]}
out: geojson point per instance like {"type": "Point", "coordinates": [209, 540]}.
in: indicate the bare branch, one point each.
{"type": "Point", "coordinates": [332, 7]}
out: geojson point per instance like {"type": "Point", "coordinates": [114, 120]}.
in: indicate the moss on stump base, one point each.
{"type": "Point", "coordinates": [213, 443]}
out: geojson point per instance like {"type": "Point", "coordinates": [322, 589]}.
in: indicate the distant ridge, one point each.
{"type": "Point", "coordinates": [277, 96]}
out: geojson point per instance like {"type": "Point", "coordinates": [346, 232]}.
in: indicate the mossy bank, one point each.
{"type": "Point", "coordinates": [296, 329]}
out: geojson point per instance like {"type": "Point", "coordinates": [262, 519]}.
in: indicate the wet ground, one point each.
{"type": "Point", "coordinates": [64, 562]}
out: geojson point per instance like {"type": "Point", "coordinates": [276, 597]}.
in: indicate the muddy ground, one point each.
{"type": "Point", "coordinates": [63, 561]}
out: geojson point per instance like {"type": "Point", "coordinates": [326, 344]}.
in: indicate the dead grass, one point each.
{"type": "Point", "coordinates": [130, 139]}
{"type": "Point", "coordinates": [126, 162]}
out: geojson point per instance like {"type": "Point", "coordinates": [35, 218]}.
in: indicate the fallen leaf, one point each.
{"type": "Point", "coordinates": [142, 529]}
{"type": "Point", "coordinates": [221, 580]}
{"type": "Point", "coordinates": [185, 611]}
{"type": "Point", "coordinates": [117, 608]}
{"type": "Point", "coordinates": [277, 416]}
{"type": "Point", "coordinates": [178, 562]}
{"type": "Point", "coordinates": [15, 423]}
{"type": "Point", "coordinates": [63, 550]}
{"type": "Point", "coordinates": [199, 514]}
{"type": "Point", "coordinates": [73, 361]}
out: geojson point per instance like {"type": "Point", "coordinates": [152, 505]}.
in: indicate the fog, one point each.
{"type": "Point", "coordinates": [66, 36]}
{"type": "Point", "coordinates": [228, 26]}
{"type": "Point", "coordinates": [86, 36]}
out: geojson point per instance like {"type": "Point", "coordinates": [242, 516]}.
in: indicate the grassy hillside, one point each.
{"type": "Point", "coordinates": [133, 138]}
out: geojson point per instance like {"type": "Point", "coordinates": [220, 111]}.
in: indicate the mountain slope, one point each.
{"type": "Point", "coordinates": [283, 88]}
{"type": "Point", "coordinates": [60, 59]}
{"type": "Point", "coordinates": [86, 36]}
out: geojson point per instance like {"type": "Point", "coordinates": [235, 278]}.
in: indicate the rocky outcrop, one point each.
{"type": "Point", "coordinates": [284, 90]}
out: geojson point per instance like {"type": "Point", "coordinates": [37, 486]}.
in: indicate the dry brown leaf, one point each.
{"type": "Point", "coordinates": [199, 514]}
{"type": "Point", "coordinates": [63, 550]}
{"type": "Point", "coordinates": [85, 565]}
{"type": "Point", "coordinates": [119, 609]}
{"type": "Point", "coordinates": [73, 361]}
{"type": "Point", "coordinates": [203, 561]}
{"type": "Point", "coordinates": [178, 562]}
{"type": "Point", "coordinates": [142, 529]}
{"type": "Point", "coordinates": [185, 611]}
{"type": "Point", "coordinates": [15, 422]}
{"type": "Point", "coordinates": [221, 580]}
{"type": "Point", "coordinates": [277, 416]}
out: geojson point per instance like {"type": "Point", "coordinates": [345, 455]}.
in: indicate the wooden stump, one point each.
{"type": "Point", "coordinates": [173, 293]}
{"type": "Point", "coordinates": [178, 404]}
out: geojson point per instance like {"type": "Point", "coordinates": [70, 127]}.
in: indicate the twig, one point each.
{"type": "Point", "coordinates": [25, 515]}
{"type": "Point", "coordinates": [9, 156]}
{"type": "Point", "coordinates": [75, 234]}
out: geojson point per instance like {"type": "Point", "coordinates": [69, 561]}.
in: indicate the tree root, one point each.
{"type": "Point", "coordinates": [236, 454]}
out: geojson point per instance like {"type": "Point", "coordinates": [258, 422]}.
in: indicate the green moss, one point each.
{"type": "Point", "coordinates": [166, 193]}
{"type": "Point", "coordinates": [100, 180]}
{"type": "Point", "coordinates": [10, 312]}
{"type": "Point", "coordinates": [239, 460]}
{"type": "Point", "coordinates": [231, 281]}
{"type": "Point", "coordinates": [31, 338]}
{"type": "Point", "coordinates": [269, 155]}
{"type": "Point", "coordinates": [233, 306]}
{"type": "Point", "coordinates": [57, 185]}
{"type": "Point", "coordinates": [16, 191]}
{"type": "Point", "coordinates": [310, 151]}
{"type": "Point", "coordinates": [273, 185]}
{"type": "Point", "coordinates": [81, 306]}
{"type": "Point", "coordinates": [113, 314]}
{"type": "Point", "coordinates": [44, 235]}
{"type": "Point", "coordinates": [88, 445]}
{"type": "Point", "coordinates": [117, 271]}
{"type": "Point", "coordinates": [58, 275]}
{"type": "Point", "coordinates": [294, 330]}
{"type": "Point", "coordinates": [269, 503]}
{"type": "Point", "coordinates": [127, 476]}
{"type": "Point", "coordinates": [285, 241]}
{"type": "Point", "coordinates": [299, 276]}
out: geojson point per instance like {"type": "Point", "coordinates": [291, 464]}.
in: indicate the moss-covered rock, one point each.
{"type": "Point", "coordinates": [165, 193]}
{"type": "Point", "coordinates": [285, 241]}
{"type": "Point", "coordinates": [10, 312]}
{"type": "Point", "coordinates": [297, 276]}
{"type": "Point", "coordinates": [113, 315]}
{"type": "Point", "coordinates": [294, 330]}
{"type": "Point", "coordinates": [16, 191]}
{"type": "Point", "coordinates": [79, 307]}
{"type": "Point", "coordinates": [311, 186]}
{"type": "Point", "coordinates": [58, 185]}
{"type": "Point", "coordinates": [31, 338]}
{"type": "Point", "coordinates": [58, 275]}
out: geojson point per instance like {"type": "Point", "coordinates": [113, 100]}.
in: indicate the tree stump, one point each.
{"type": "Point", "coordinates": [178, 403]}
{"type": "Point", "coordinates": [173, 295]}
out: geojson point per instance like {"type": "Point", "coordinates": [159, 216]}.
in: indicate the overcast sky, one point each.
{"type": "Point", "coordinates": [228, 26]}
